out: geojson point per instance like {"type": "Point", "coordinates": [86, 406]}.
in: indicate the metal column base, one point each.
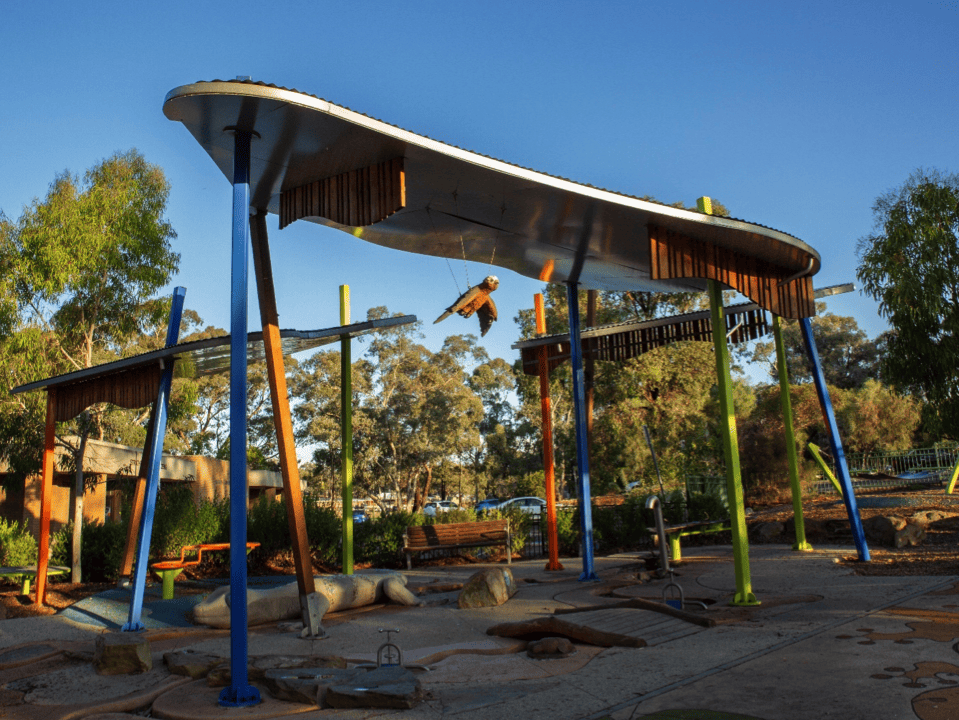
{"type": "Point", "coordinates": [313, 609]}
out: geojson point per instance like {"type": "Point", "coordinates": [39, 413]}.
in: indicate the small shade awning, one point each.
{"type": "Point", "coordinates": [133, 382]}
{"type": "Point", "coordinates": [619, 342]}
{"type": "Point", "coordinates": [314, 160]}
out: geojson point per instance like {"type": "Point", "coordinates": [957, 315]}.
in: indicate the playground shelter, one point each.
{"type": "Point", "coordinates": [302, 157]}
{"type": "Point", "coordinates": [145, 379]}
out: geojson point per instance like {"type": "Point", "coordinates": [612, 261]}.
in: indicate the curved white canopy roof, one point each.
{"type": "Point", "coordinates": [535, 224]}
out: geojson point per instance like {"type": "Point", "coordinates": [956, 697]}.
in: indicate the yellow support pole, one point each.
{"type": "Point", "coordinates": [346, 430]}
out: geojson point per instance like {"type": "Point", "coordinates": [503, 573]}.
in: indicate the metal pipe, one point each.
{"type": "Point", "coordinates": [239, 693]}
{"type": "Point", "coordinates": [849, 497]}
{"type": "Point", "coordinates": [653, 503]}
{"type": "Point", "coordinates": [582, 449]}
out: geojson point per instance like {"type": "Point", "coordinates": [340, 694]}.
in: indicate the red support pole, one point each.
{"type": "Point", "coordinates": [554, 563]}
{"type": "Point", "coordinates": [46, 497]}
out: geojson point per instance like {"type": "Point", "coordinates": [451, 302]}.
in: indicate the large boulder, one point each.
{"type": "Point", "coordinates": [122, 654]}
{"type": "Point", "coordinates": [882, 529]}
{"type": "Point", "coordinates": [911, 534]}
{"type": "Point", "coordinates": [893, 531]}
{"type": "Point", "coordinates": [487, 588]}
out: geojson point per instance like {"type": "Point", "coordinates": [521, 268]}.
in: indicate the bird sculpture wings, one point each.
{"type": "Point", "coordinates": [476, 300]}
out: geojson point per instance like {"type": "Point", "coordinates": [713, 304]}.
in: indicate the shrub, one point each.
{"type": "Point", "coordinates": [567, 532]}
{"type": "Point", "coordinates": [325, 530]}
{"type": "Point", "coordinates": [268, 525]}
{"type": "Point", "coordinates": [620, 527]}
{"type": "Point", "coordinates": [101, 550]}
{"type": "Point", "coordinates": [380, 541]}
{"type": "Point", "coordinates": [17, 546]}
{"type": "Point", "coordinates": [707, 506]}
{"type": "Point", "coordinates": [179, 520]}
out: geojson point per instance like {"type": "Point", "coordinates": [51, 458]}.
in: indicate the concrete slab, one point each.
{"type": "Point", "coordinates": [824, 643]}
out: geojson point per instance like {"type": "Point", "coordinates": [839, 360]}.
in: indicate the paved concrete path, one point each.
{"type": "Point", "coordinates": [824, 643]}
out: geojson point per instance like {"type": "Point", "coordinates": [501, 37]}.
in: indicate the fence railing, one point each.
{"type": "Point", "coordinates": [888, 470]}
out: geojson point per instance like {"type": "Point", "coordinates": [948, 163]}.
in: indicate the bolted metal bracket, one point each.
{"type": "Point", "coordinates": [312, 607]}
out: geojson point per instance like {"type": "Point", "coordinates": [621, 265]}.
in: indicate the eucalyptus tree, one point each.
{"type": "Point", "coordinates": [83, 260]}
{"type": "Point", "coordinates": [910, 264]}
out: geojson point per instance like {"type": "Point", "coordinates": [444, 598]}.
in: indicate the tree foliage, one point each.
{"type": "Point", "coordinates": [81, 266]}
{"type": "Point", "coordinates": [910, 264]}
{"type": "Point", "coordinates": [847, 356]}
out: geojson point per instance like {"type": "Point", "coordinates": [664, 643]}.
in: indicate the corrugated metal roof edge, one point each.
{"type": "Point", "coordinates": [260, 83]}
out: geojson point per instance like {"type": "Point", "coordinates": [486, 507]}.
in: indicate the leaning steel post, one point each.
{"type": "Point", "coordinates": [842, 470]}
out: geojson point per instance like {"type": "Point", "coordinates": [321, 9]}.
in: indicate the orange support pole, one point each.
{"type": "Point", "coordinates": [292, 493]}
{"type": "Point", "coordinates": [554, 563]}
{"type": "Point", "coordinates": [46, 496]}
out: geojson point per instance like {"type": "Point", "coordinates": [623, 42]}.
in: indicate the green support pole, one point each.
{"type": "Point", "coordinates": [814, 449]}
{"type": "Point", "coordinates": [734, 485]}
{"type": "Point", "coordinates": [791, 455]}
{"type": "Point", "coordinates": [346, 429]}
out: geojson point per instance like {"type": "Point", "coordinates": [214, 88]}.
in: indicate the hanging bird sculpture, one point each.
{"type": "Point", "coordinates": [477, 300]}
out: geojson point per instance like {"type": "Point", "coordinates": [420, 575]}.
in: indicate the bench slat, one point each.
{"type": "Point", "coordinates": [451, 536]}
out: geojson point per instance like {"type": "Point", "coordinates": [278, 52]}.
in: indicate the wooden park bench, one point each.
{"type": "Point", "coordinates": [168, 570]}
{"type": "Point", "coordinates": [454, 536]}
{"type": "Point", "coordinates": [24, 574]}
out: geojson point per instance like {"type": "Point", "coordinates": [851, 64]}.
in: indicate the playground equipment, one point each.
{"type": "Point", "coordinates": [324, 163]}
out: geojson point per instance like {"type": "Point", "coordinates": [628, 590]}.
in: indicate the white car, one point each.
{"type": "Point", "coordinates": [530, 505]}
{"type": "Point", "coordinates": [431, 508]}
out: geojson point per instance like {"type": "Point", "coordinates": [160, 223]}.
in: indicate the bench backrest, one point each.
{"type": "Point", "coordinates": [422, 536]}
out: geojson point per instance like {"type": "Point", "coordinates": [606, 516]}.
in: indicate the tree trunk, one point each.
{"type": "Point", "coordinates": [78, 491]}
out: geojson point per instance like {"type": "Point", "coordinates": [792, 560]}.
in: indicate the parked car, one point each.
{"type": "Point", "coordinates": [359, 516]}
{"type": "Point", "coordinates": [442, 506]}
{"type": "Point", "coordinates": [488, 504]}
{"type": "Point", "coordinates": [531, 505]}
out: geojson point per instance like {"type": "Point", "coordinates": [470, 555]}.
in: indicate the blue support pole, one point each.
{"type": "Point", "coordinates": [155, 450]}
{"type": "Point", "coordinates": [239, 693]}
{"type": "Point", "coordinates": [835, 443]}
{"type": "Point", "coordinates": [582, 444]}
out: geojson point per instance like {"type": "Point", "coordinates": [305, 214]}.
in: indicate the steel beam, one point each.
{"type": "Point", "coordinates": [239, 693]}
{"type": "Point", "coordinates": [848, 497]}
{"type": "Point", "coordinates": [734, 484]}
{"type": "Point", "coordinates": [791, 455]}
{"type": "Point", "coordinates": [46, 495]}
{"type": "Point", "coordinates": [152, 488]}
{"type": "Point", "coordinates": [547, 426]}
{"type": "Point", "coordinates": [582, 443]}
{"type": "Point", "coordinates": [346, 431]}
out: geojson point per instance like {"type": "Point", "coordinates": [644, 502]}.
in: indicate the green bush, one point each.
{"type": "Point", "coordinates": [567, 532]}
{"type": "Point", "coordinates": [620, 527]}
{"type": "Point", "coordinates": [380, 541]}
{"type": "Point", "coordinates": [267, 524]}
{"type": "Point", "coordinates": [707, 506]}
{"type": "Point", "coordinates": [179, 520]}
{"type": "Point", "coordinates": [101, 550]}
{"type": "Point", "coordinates": [17, 546]}
{"type": "Point", "coordinates": [325, 530]}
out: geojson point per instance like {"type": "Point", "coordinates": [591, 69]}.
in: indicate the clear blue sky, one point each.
{"type": "Point", "coordinates": [795, 115]}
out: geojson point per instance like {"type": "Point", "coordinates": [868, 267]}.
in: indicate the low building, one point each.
{"type": "Point", "coordinates": [109, 467]}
